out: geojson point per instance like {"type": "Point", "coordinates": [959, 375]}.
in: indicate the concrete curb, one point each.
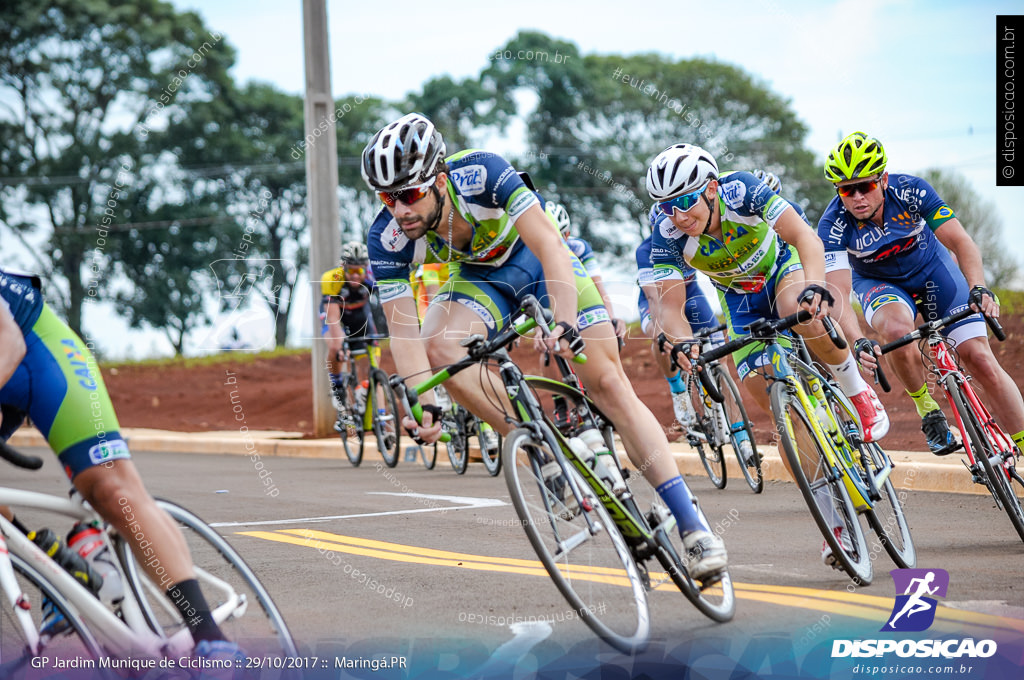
{"type": "Point", "coordinates": [911, 471]}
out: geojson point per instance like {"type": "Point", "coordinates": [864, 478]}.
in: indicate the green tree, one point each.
{"type": "Point", "coordinates": [982, 221]}
{"type": "Point", "coordinates": [82, 87]}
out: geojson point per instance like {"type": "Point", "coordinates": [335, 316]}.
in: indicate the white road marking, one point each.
{"type": "Point", "coordinates": [465, 502]}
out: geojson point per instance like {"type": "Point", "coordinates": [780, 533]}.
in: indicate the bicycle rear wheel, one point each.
{"type": "Point", "coordinates": [801, 447]}
{"type": "Point", "coordinates": [74, 640]}
{"type": "Point", "coordinates": [351, 425]}
{"type": "Point", "coordinates": [491, 454]}
{"type": "Point", "coordinates": [240, 604]}
{"type": "Point", "coordinates": [712, 457]}
{"type": "Point", "coordinates": [739, 422]}
{"type": "Point", "coordinates": [886, 515]}
{"type": "Point", "coordinates": [996, 462]}
{"type": "Point", "coordinates": [385, 418]}
{"type": "Point", "coordinates": [458, 446]}
{"type": "Point", "coordinates": [589, 562]}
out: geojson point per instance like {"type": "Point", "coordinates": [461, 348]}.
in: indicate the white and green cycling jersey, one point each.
{"type": "Point", "coordinates": [749, 252]}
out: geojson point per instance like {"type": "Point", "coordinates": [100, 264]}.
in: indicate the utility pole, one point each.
{"type": "Point", "coordinates": [322, 182]}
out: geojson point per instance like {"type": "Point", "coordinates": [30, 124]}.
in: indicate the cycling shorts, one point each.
{"type": "Point", "coordinates": [59, 385]}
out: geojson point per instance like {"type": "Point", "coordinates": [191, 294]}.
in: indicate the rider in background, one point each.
{"type": "Point", "coordinates": [885, 238]}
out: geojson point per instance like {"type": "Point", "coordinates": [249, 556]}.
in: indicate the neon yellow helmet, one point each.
{"type": "Point", "coordinates": [856, 156]}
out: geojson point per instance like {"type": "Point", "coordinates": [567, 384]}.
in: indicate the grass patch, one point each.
{"type": "Point", "coordinates": [232, 357]}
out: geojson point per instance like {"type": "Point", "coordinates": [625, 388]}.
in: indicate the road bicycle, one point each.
{"type": "Point", "coordinates": [719, 424]}
{"type": "Point", "coordinates": [991, 453]}
{"type": "Point", "coordinates": [461, 427]}
{"type": "Point", "coordinates": [595, 544]}
{"type": "Point", "coordinates": [821, 437]}
{"type": "Point", "coordinates": [368, 407]}
{"type": "Point", "coordinates": [140, 623]}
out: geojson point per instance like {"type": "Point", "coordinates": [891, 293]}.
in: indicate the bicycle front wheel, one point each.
{"type": "Point", "coordinates": [490, 444]}
{"type": "Point", "coordinates": [385, 418]}
{"type": "Point", "coordinates": [578, 543]}
{"type": "Point", "coordinates": [740, 429]}
{"type": "Point", "coordinates": [996, 463]}
{"type": "Point", "coordinates": [62, 633]}
{"type": "Point", "coordinates": [458, 446]}
{"type": "Point", "coordinates": [350, 425]}
{"type": "Point", "coordinates": [821, 485]}
{"type": "Point", "coordinates": [241, 605]}
{"type": "Point", "coordinates": [711, 424]}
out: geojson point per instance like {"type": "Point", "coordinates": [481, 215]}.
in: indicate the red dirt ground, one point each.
{"type": "Point", "coordinates": [275, 393]}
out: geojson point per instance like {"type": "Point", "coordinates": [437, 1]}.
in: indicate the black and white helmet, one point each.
{"type": "Point", "coordinates": [404, 153]}
{"type": "Point", "coordinates": [560, 216]}
{"type": "Point", "coordinates": [354, 253]}
{"type": "Point", "coordinates": [768, 178]}
{"type": "Point", "coordinates": [678, 170]}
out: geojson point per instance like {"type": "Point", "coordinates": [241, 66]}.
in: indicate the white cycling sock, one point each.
{"type": "Point", "coordinates": [848, 377]}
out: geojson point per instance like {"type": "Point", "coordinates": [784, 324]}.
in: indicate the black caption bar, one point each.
{"type": "Point", "coordinates": [1010, 157]}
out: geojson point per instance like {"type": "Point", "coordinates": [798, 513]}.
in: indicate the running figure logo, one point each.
{"type": "Point", "coordinates": [913, 611]}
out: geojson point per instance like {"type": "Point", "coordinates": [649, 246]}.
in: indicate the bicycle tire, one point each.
{"type": "Point", "coordinates": [458, 445]}
{"type": "Point", "coordinates": [77, 641]}
{"type": "Point", "coordinates": [739, 421]}
{"type": "Point", "coordinates": [789, 419]}
{"type": "Point", "coordinates": [385, 418]}
{"type": "Point", "coordinates": [713, 458]}
{"type": "Point", "coordinates": [1000, 485]}
{"type": "Point", "coordinates": [429, 459]}
{"type": "Point", "coordinates": [352, 435]}
{"type": "Point", "coordinates": [491, 456]}
{"type": "Point", "coordinates": [216, 564]}
{"type": "Point", "coordinates": [886, 516]}
{"type": "Point", "coordinates": [601, 563]}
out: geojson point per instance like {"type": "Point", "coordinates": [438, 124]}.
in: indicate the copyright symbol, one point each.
{"type": "Point", "coordinates": [1007, 171]}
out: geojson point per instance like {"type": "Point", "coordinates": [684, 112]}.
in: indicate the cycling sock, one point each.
{"type": "Point", "coordinates": [676, 383]}
{"type": "Point", "coordinates": [195, 611]}
{"type": "Point", "coordinates": [848, 376]}
{"type": "Point", "coordinates": [923, 401]}
{"type": "Point", "coordinates": [1018, 439]}
{"type": "Point", "coordinates": [336, 381]}
{"type": "Point", "coordinates": [679, 500]}
{"type": "Point", "coordinates": [824, 501]}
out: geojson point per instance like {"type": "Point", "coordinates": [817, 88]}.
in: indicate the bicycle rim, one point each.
{"type": "Point", "coordinates": [458, 446]}
{"type": "Point", "coordinates": [241, 604]}
{"type": "Point", "coordinates": [886, 515]}
{"type": "Point", "coordinates": [984, 451]}
{"type": "Point", "coordinates": [712, 457]}
{"type": "Point", "coordinates": [75, 641]}
{"type": "Point", "coordinates": [800, 445]}
{"type": "Point", "coordinates": [490, 456]}
{"type": "Point", "coordinates": [736, 415]}
{"type": "Point", "coordinates": [385, 418]}
{"type": "Point", "coordinates": [597, 575]}
{"type": "Point", "coordinates": [429, 453]}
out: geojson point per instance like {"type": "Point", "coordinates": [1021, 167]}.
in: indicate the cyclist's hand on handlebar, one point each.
{"type": "Point", "coordinates": [985, 301]}
{"type": "Point", "coordinates": [684, 354]}
{"type": "Point", "coordinates": [817, 300]}
{"type": "Point", "coordinates": [427, 432]}
{"type": "Point", "coordinates": [564, 340]}
{"type": "Point", "coordinates": [865, 352]}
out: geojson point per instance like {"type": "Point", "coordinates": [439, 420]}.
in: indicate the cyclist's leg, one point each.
{"type": "Point", "coordinates": [675, 377]}
{"type": "Point", "coordinates": [71, 407]}
{"type": "Point", "coordinates": [337, 364]}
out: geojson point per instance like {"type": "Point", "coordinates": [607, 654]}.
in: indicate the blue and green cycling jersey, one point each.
{"type": "Point", "coordinates": [749, 251]}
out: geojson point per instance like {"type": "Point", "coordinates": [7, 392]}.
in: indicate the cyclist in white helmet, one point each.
{"type": "Point", "coordinates": [472, 208]}
{"type": "Point", "coordinates": [765, 262]}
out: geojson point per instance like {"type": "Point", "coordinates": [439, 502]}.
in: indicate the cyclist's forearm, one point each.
{"type": "Point", "coordinates": [12, 343]}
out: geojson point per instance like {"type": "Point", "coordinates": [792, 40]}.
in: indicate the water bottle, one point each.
{"type": "Point", "coordinates": [87, 541]}
{"type": "Point", "coordinates": [67, 558]}
{"type": "Point", "coordinates": [582, 450]}
{"type": "Point", "coordinates": [604, 463]}
{"type": "Point", "coordinates": [742, 439]}
{"type": "Point", "coordinates": [361, 395]}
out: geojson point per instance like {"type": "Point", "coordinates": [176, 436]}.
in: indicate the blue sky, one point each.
{"type": "Point", "coordinates": [920, 76]}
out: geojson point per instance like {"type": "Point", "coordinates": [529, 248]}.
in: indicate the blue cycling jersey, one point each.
{"type": "Point", "coordinates": [584, 252]}
{"type": "Point", "coordinates": [487, 192]}
{"type": "Point", "coordinates": [902, 247]}
{"type": "Point", "coordinates": [23, 299]}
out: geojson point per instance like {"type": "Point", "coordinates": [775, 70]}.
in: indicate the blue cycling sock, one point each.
{"type": "Point", "coordinates": [679, 500]}
{"type": "Point", "coordinates": [676, 383]}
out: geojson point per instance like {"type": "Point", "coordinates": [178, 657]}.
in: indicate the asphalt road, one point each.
{"type": "Point", "coordinates": [419, 567]}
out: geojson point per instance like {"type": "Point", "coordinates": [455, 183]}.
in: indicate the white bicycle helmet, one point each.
{"type": "Point", "coordinates": [560, 216]}
{"type": "Point", "coordinates": [404, 153]}
{"type": "Point", "coordinates": [678, 170]}
{"type": "Point", "coordinates": [354, 253]}
{"type": "Point", "coordinates": [768, 178]}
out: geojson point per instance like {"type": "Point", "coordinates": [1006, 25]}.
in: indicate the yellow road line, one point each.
{"type": "Point", "coordinates": [854, 605]}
